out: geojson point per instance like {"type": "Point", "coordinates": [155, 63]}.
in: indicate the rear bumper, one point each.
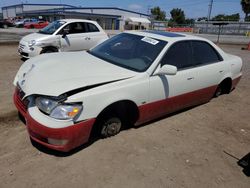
{"type": "Point", "coordinates": [74, 135]}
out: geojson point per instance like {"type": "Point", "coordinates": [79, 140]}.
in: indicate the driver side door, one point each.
{"type": "Point", "coordinates": [75, 39]}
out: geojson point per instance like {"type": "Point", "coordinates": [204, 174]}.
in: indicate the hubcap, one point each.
{"type": "Point", "coordinates": [112, 127]}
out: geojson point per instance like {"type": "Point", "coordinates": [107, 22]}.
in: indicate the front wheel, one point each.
{"type": "Point", "coordinates": [110, 126]}
{"type": "Point", "coordinates": [218, 91]}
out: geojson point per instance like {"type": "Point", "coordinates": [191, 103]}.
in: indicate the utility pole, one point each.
{"type": "Point", "coordinates": [149, 9]}
{"type": "Point", "coordinates": [210, 6]}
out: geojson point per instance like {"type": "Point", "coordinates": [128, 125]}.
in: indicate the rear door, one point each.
{"type": "Point", "coordinates": [94, 35]}
{"type": "Point", "coordinates": [210, 68]}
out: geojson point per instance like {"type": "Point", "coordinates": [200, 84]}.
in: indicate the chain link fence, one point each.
{"type": "Point", "coordinates": [232, 28]}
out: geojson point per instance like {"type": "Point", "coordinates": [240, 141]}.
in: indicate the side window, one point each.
{"type": "Point", "coordinates": [92, 27]}
{"type": "Point", "coordinates": [179, 55]}
{"type": "Point", "coordinates": [75, 28]}
{"type": "Point", "coordinates": [204, 53]}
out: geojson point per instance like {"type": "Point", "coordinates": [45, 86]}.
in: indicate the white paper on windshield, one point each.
{"type": "Point", "coordinates": [150, 40]}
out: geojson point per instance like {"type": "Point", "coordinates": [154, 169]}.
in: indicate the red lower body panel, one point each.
{"type": "Point", "coordinates": [75, 135]}
{"type": "Point", "coordinates": [159, 108]}
{"type": "Point", "coordinates": [235, 82]}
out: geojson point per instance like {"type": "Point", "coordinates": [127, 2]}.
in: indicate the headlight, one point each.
{"type": "Point", "coordinates": [58, 110]}
{"type": "Point", "coordinates": [45, 104]}
{"type": "Point", "coordinates": [64, 112]}
{"type": "Point", "coordinates": [32, 43]}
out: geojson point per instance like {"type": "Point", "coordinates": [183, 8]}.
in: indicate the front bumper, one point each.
{"type": "Point", "coordinates": [75, 135]}
{"type": "Point", "coordinates": [27, 52]}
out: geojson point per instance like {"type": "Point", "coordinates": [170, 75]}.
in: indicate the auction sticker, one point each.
{"type": "Point", "coordinates": [150, 40]}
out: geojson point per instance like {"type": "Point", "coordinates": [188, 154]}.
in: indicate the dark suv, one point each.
{"type": "Point", "coordinates": [5, 24]}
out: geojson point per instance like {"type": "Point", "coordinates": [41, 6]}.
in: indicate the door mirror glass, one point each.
{"type": "Point", "coordinates": [167, 70]}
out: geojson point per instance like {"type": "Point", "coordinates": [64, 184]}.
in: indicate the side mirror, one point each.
{"type": "Point", "coordinates": [65, 33]}
{"type": "Point", "coordinates": [167, 70]}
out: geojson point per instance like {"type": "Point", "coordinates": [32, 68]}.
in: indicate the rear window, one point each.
{"type": "Point", "coordinates": [92, 28]}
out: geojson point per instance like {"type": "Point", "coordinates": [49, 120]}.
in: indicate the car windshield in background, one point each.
{"type": "Point", "coordinates": [51, 28]}
{"type": "Point", "coordinates": [130, 51]}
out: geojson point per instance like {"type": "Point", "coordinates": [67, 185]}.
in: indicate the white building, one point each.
{"type": "Point", "coordinates": [108, 17]}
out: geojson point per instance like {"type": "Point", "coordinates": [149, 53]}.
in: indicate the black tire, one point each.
{"type": "Point", "coordinates": [110, 126]}
{"type": "Point", "coordinates": [218, 91]}
{"type": "Point", "coordinates": [32, 27]}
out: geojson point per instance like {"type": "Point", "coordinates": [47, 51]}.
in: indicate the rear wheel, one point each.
{"type": "Point", "coordinates": [224, 87]}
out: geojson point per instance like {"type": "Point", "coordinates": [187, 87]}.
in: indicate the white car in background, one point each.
{"type": "Point", "coordinates": [130, 79]}
{"type": "Point", "coordinates": [61, 36]}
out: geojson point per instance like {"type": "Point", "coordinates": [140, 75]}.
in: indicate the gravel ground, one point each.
{"type": "Point", "coordinates": [187, 149]}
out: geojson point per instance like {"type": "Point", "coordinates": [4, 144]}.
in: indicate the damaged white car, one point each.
{"type": "Point", "coordinates": [62, 36]}
{"type": "Point", "coordinates": [130, 79]}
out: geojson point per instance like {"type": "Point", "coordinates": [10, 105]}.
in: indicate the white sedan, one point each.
{"type": "Point", "coordinates": [61, 36]}
{"type": "Point", "coordinates": [130, 79]}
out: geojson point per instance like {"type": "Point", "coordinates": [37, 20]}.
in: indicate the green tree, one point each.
{"type": "Point", "coordinates": [245, 7]}
{"type": "Point", "coordinates": [178, 16]}
{"type": "Point", "coordinates": [223, 17]}
{"type": "Point", "coordinates": [158, 14]}
{"type": "Point", "coordinates": [189, 21]}
{"type": "Point", "coordinates": [202, 19]}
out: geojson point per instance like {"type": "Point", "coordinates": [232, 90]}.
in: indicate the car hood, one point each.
{"type": "Point", "coordinates": [34, 36]}
{"type": "Point", "coordinates": [58, 73]}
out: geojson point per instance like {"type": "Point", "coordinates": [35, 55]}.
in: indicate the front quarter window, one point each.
{"type": "Point", "coordinates": [130, 51]}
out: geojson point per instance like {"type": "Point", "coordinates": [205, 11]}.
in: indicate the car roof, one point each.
{"type": "Point", "coordinates": [165, 36]}
{"type": "Point", "coordinates": [77, 20]}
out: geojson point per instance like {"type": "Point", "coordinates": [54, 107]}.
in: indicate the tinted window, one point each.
{"type": "Point", "coordinates": [179, 55]}
{"type": "Point", "coordinates": [92, 28]}
{"type": "Point", "coordinates": [204, 53]}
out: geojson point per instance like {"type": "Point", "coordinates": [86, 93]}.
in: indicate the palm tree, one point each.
{"type": "Point", "coordinates": [245, 7]}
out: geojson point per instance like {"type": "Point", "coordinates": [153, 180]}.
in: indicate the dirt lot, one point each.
{"type": "Point", "coordinates": [183, 150]}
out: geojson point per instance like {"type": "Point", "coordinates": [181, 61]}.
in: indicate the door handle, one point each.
{"type": "Point", "coordinates": [221, 71]}
{"type": "Point", "coordinates": [190, 78]}
{"type": "Point", "coordinates": [87, 38]}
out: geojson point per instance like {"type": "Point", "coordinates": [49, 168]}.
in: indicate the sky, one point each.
{"type": "Point", "coordinates": [192, 8]}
